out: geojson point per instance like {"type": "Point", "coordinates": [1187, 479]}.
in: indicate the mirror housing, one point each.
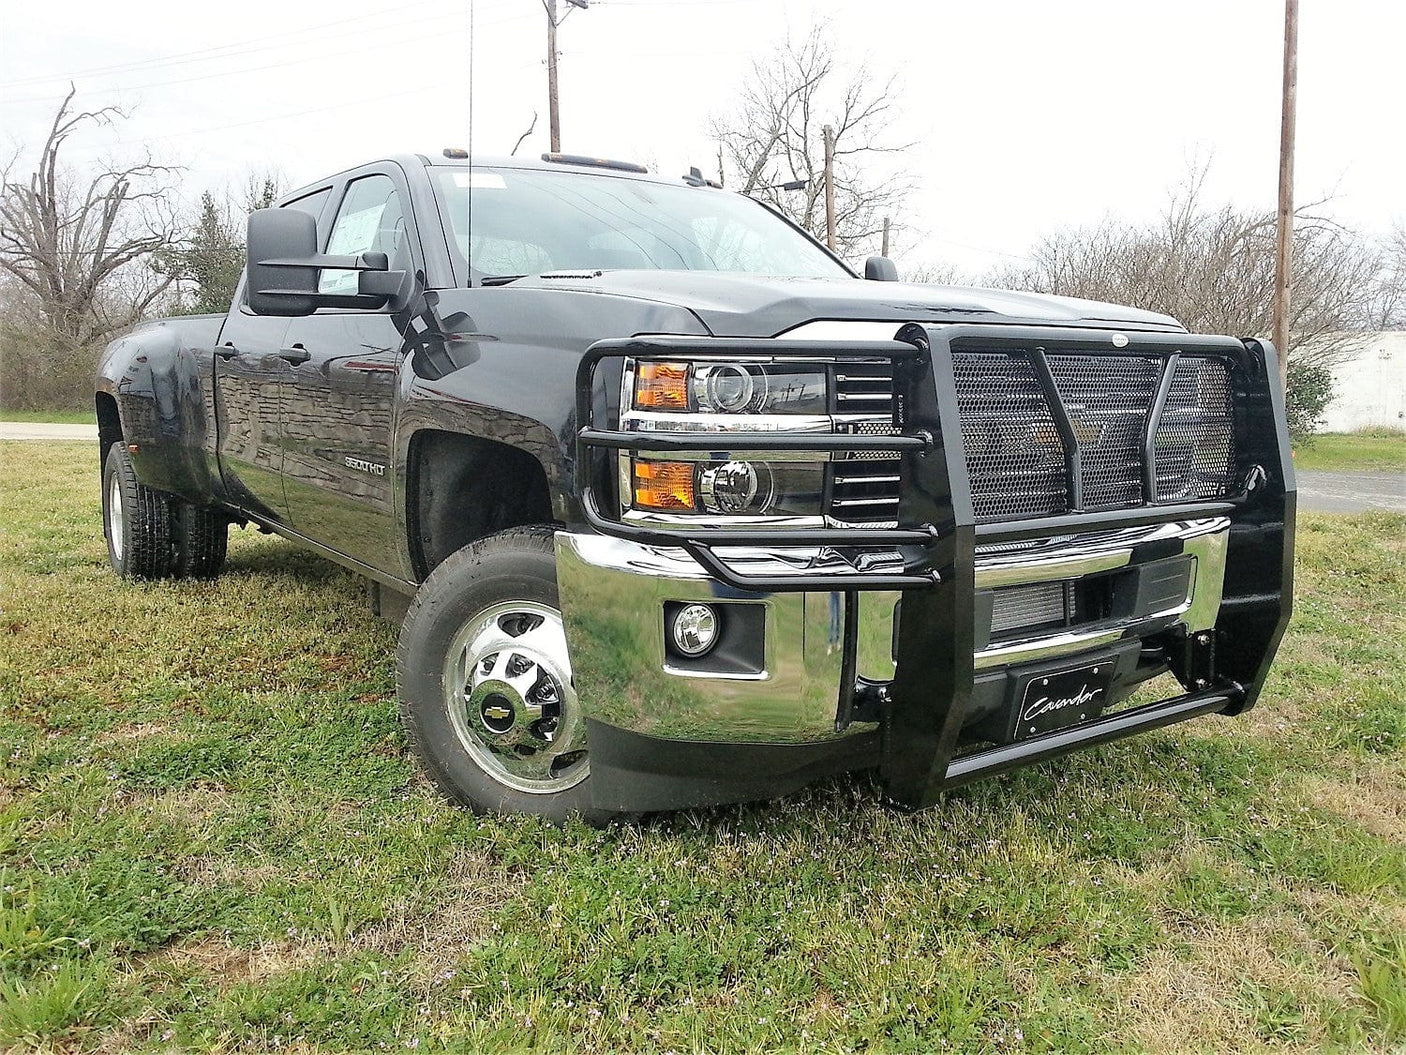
{"type": "Point", "coordinates": [880, 269]}
{"type": "Point", "coordinates": [284, 268]}
{"type": "Point", "coordinates": [280, 289]}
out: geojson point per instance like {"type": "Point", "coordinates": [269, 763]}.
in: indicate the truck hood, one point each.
{"type": "Point", "coordinates": [733, 305]}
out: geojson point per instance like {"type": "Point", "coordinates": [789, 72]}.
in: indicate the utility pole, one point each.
{"type": "Point", "coordinates": [884, 251]}
{"type": "Point", "coordinates": [829, 134]}
{"type": "Point", "coordinates": [1283, 263]}
{"type": "Point", "coordinates": [552, 23]}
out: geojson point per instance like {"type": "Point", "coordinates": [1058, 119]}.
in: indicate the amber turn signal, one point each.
{"type": "Point", "coordinates": [664, 485]}
{"type": "Point", "coordinates": [661, 386]}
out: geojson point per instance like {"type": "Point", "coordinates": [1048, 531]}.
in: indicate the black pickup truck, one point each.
{"type": "Point", "coordinates": [685, 511]}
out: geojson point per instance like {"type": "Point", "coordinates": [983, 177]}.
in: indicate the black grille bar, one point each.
{"type": "Point", "coordinates": [1073, 457]}
{"type": "Point", "coordinates": [752, 536]}
{"type": "Point", "coordinates": [1078, 523]}
{"type": "Point", "coordinates": [1154, 422]}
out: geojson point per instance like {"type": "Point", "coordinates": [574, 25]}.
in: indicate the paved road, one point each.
{"type": "Point", "coordinates": [1341, 492]}
{"type": "Point", "coordinates": [44, 430]}
{"type": "Point", "coordinates": [1345, 492]}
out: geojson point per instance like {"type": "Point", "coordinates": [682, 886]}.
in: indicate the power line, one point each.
{"type": "Point", "coordinates": [202, 54]}
{"type": "Point", "coordinates": [240, 47]}
{"type": "Point", "coordinates": [378, 44]}
{"type": "Point", "coordinates": [243, 48]}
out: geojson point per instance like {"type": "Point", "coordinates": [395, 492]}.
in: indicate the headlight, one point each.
{"type": "Point", "coordinates": [730, 388]}
{"type": "Point", "coordinates": [735, 487]}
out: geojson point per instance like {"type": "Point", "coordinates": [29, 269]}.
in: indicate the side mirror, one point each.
{"type": "Point", "coordinates": [285, 267]}
{"type": "Point", "coordinates": [279, 283]}
{"type": "Point", "coordinates": [880, 269]}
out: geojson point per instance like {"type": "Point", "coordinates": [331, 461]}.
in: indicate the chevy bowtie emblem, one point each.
{"type": "Point", "coordinates": [497, 713]}
{"type": "Point", "coordinates": [1087, 433]}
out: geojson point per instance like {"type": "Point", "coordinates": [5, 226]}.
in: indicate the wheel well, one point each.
{"type": "Point", "coordinates": [461, 488]}
{"type": "Point", "coordinates": [109, 425]}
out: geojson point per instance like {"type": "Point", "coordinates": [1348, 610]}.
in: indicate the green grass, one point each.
{"type": "Point", "coordinates": [211, 836]}
{"type": "Point", "coordinates": [1372, 450]}
{"type": "Point", "coordinates": [57, 417]}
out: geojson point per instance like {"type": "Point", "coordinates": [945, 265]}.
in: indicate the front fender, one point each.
{"type": "Point", "coordinates": [512, 356]}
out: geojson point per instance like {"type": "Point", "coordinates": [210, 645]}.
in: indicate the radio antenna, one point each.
{"type": "Point", "coordinates": [469, 153]}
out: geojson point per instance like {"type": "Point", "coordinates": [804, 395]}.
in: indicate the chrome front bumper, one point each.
{"type": "Point", "coordinates": [613, 593]}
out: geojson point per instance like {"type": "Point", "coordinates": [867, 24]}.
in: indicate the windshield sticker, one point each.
{"type": "Point", "coordinates": [480, 180]}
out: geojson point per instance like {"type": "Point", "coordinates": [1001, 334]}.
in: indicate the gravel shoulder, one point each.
{"type": "Point", "coordinates": [46, 430]}
{"type": "Point", "coordinates": [1351, 492]}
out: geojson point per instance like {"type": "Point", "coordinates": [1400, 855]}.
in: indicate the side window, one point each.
{"type": "Point", "coordinates": [312, 204]}
{"type": "Point", "coordinates": [370, 220]}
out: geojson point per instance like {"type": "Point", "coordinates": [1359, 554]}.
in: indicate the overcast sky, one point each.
{"type": "Point", "coordinates": [1026, 114]}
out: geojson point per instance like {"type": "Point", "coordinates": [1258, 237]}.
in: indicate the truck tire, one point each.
{"type": "Point", "coordinates": [201, 536]}
{"type": "Point", "coordinates": [136, 521]}
{"type": "Point", "coordinates": [484, 681]}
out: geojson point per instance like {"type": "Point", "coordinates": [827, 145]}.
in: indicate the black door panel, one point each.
{"type": "Point", "coordinates": [249, 379]}
{"type": "Point", "coordinates": [336, 434]}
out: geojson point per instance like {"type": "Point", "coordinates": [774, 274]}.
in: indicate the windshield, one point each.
{"type": "Point", "coordinates": [527, 222]}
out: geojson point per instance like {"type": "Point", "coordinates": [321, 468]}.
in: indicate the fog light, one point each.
{"type": "Point", "coordinates": [694, 629]}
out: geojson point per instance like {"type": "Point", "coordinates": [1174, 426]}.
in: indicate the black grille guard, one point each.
{"type": "Point", "coordinates": [937, 532]}
{"type": "Point", "coordinates": [935, 501]}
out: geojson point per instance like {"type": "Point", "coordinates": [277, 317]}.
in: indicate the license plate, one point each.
{"type": "Point", "coordinates": [1066, 697]}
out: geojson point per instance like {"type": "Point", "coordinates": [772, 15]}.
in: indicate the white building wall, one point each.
{"type": "Point", "coordinates": [1369, 390]}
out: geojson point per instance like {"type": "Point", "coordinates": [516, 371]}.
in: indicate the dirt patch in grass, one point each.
{"type": "Point", "coordinates": [463, 914]}
{"type": "Point", "coordinates": [195, 807]}
{"type": "Point", "coordinates": [131, 733]}
{"type": "Point", "coordinates": [215, 870]}
{"type": "Point", "coordinates": [226, 964]}
{"type": "Point", "coordinates": [1375, 799]}
{"type": "Point", "coordinates": [1229, 988]}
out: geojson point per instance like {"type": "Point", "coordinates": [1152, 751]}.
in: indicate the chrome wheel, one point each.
{"type": "Point", "coordinates": [507, 685]}
{"type": "Point", "coordinates": [115, 516]}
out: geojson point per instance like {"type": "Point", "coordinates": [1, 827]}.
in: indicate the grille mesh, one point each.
{"type": "Point", "coordinates": [1014, 454]}
{"type": "Point", "coordinates": [1108, 399]}
{"type": "Point", "coordinates": [1196, 436]}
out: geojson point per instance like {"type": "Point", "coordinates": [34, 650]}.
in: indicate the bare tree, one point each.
{"type": "Point", "coordinates": [1386, 307]}
{"type": "Point", "coordinates": [1212, 268]}
{"type": "Point", "coordinates": [937, 273]}
{"type": "Point", "coordinates": [76, 251]}
{"type": "Point", "coordinates": [772, 137]}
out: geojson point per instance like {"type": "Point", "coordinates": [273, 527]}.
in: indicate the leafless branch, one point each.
{"type": "Point", "coordinates": [530, 129]}
{"type": "Point", "coordinates": [773, 136]}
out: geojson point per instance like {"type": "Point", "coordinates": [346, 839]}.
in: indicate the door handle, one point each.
{"type": "Point", "coordinates": [295, 355]}
{"type": "Point", "coordinates": [227, 351]}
